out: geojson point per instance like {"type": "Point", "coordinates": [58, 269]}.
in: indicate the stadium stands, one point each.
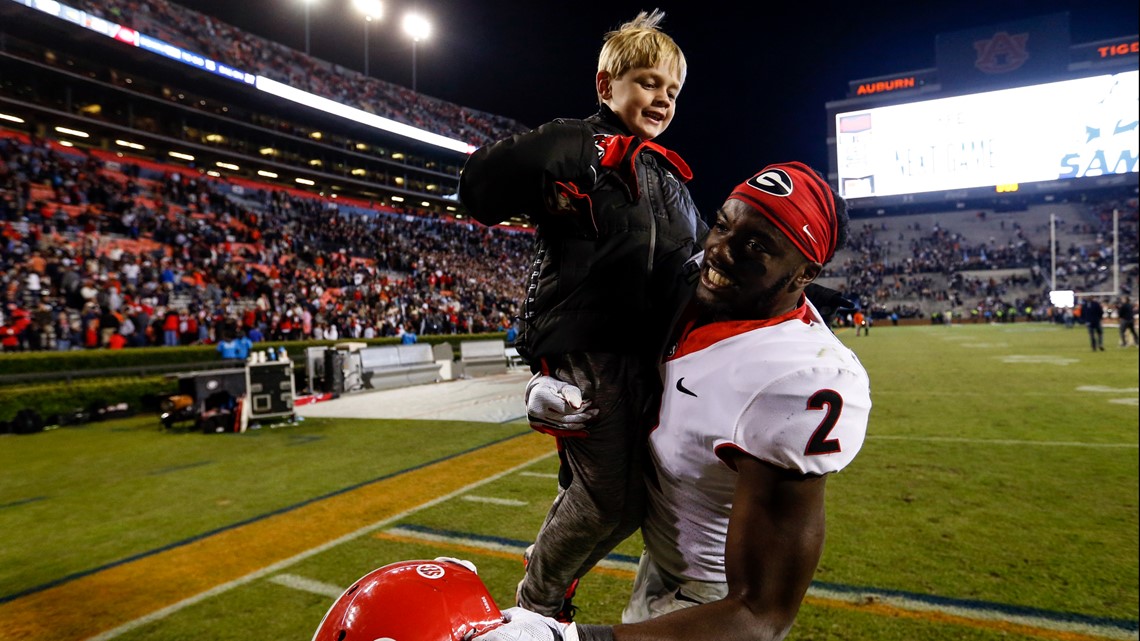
{"type": "Point", "coordinates": [979, 264]}
{"type": "Point", "coordinates": [209, 36]}
{"type": "Point", "coordinates": [105, 242]}
{"type": "Point", "coordinates": [116, 95]}
{"type": "Point", "coordinates": [216, 257]}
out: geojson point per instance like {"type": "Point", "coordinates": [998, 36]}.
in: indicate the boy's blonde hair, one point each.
{"type": "Point", "coordinates": [639, 43]}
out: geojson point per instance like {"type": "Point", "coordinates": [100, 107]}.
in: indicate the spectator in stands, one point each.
{"type": "Point", "coordinates": [512, 333]}
{"type": "Point", "coordinates": [1092, 313]}
{"type": "Point", "coordinates": [12, 333]}
{"type": "Point", "coordinates": [596, 316]}
{"type": "Point", "coordinates": [140, 314]}
{"type": "Point", "coordinates": [1126, 315]}
{"type": "Point", "coordinates": [109, 323]}
{"type": "Point", "coordinates": [117, 341]}
{"type": "Point", "coordinates": [64, 332]}
{"type": "Point", "coordinates": [229, 347]}
{"type": "Point", "coordinates": [187, 327]}
{"type": "Point", "coordinates": [170, 324]}
{"type": "Point", "coordinates": [408, 335]}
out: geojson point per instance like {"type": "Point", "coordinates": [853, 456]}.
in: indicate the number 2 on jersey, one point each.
{"type": "Point", "coordinates": [820, 443]}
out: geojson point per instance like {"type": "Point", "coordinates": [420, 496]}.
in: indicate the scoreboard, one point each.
{"type": "Point", "coordinates": [1078, 128]}
{"type": "Point", "coordinates": [1010, 109]}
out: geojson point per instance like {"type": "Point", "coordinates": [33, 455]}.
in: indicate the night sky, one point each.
{"type": "Point", "coordinates": [758, 79]}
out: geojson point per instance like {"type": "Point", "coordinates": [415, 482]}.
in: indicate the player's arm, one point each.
{"type": "Point", "coordinates": [775, 539]}
{"type": "Point", "coordinates": [521, 175]}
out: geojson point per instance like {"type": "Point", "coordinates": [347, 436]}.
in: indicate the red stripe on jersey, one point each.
{"type": "Point", "coordinates": [694, 339]}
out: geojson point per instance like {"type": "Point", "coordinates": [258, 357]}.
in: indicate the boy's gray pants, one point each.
{"type": "Point", "coordinates": [601, 497]}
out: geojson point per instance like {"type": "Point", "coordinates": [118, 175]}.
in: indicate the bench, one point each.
{"type": "Point", "coordinates": [514, 359]}
{"type": "Point", "coordinates": [366, 368]}
{"type": "Point", "coordinates": [483, 358]}
{"type": "Point", "coordinates": [391, 366]}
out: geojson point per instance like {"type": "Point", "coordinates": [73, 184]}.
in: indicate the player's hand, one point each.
{"type": "Point", "coordinates": [524, 625]}
{"type": "Point", "coordinates": [557, 407]}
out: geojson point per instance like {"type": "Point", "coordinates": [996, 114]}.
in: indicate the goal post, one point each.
{"type": "Point", "coordinates": [1068, 296]}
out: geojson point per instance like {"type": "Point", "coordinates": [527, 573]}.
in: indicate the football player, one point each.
{"type": "Point", "coordinates": [762, 402]}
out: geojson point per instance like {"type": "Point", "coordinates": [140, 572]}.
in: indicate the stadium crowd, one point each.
{"type": "Point", "coordinates": [96, 256]}
{"type": "Point", "coordinates": [99, 254]}
{"type": "Point", "coordinates": [902, 270]}
{"type": "Point", "coordinates": [111, 259]}
{"type": "Point", "coordinates": [226, 44]}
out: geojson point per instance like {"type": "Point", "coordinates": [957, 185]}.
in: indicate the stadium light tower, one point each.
{"type": "Point", "coordinates": [417, 26]}
{"type": "Point", "coordinates": [372, 10]}
{"type": "Point", "coordinates": [308, 4]}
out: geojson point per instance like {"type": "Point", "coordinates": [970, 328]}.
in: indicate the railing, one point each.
{"type": "Point", "coordinates": [112, 372]}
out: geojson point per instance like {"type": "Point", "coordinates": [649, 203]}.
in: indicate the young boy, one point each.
{"type": "Point", "coordinates": [615, 226]}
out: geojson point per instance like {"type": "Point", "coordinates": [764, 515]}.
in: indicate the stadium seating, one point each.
{"type": "Point", "coordinates": [978, 262]}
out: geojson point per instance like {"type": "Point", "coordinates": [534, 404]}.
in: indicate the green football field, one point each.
{"type": "Point", "coordinates": [995, 498]}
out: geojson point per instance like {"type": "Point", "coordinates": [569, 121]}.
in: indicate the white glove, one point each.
{"type": "Point", "coordinates": [465, 563]}
{"type": "Point", "coordinates": [524, 625]}
{"type": "Point", "coordinates": [556, 407]}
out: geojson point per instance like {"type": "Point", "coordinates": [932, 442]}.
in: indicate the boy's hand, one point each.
{"type": "Point", "coordinates": [569, 199]}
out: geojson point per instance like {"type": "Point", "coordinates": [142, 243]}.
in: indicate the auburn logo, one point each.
{"type": "Point", "coordinates": [1002, 53]}
{"type": "Point", "coordinates": [774, 181]}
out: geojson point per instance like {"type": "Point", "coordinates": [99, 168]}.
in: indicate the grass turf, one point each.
{"type": "Point", "coordinates": [1001, 466]}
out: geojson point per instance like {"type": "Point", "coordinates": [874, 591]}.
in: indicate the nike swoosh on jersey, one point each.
{"type": "Point", "coordinates": [684, 390]}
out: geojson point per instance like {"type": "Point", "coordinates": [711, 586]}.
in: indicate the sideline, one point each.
{"type": "Point", "coordinates": [106, 603]}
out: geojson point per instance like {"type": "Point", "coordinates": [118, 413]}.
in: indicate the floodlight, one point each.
{"type": "Point", "coordinates": [372, 9]}
{"type": "Point", "coordinates": [417, 26]}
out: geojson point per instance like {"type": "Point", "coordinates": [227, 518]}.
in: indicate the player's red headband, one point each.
{"type": "Point", "coordinates": [798, 202]}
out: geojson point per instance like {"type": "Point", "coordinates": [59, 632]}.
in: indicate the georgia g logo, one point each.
{"type": "Point", "coordinates": [774, 181]}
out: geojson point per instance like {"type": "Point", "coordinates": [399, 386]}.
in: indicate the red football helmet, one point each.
{"type": "Point", "coordinates": [412, 601]}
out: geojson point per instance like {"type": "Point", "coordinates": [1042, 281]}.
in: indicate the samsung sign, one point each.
{"type": "Point", "coordinates": [1069, 129]}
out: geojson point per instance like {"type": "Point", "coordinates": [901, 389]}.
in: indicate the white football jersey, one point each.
{"type": "Point", "coordinates": [784, 390]}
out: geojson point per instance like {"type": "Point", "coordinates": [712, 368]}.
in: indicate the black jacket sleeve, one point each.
{"type": "Point", "coordinates": [516, 176]}
{"type": "Point", "coordinates": [828, 301]}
